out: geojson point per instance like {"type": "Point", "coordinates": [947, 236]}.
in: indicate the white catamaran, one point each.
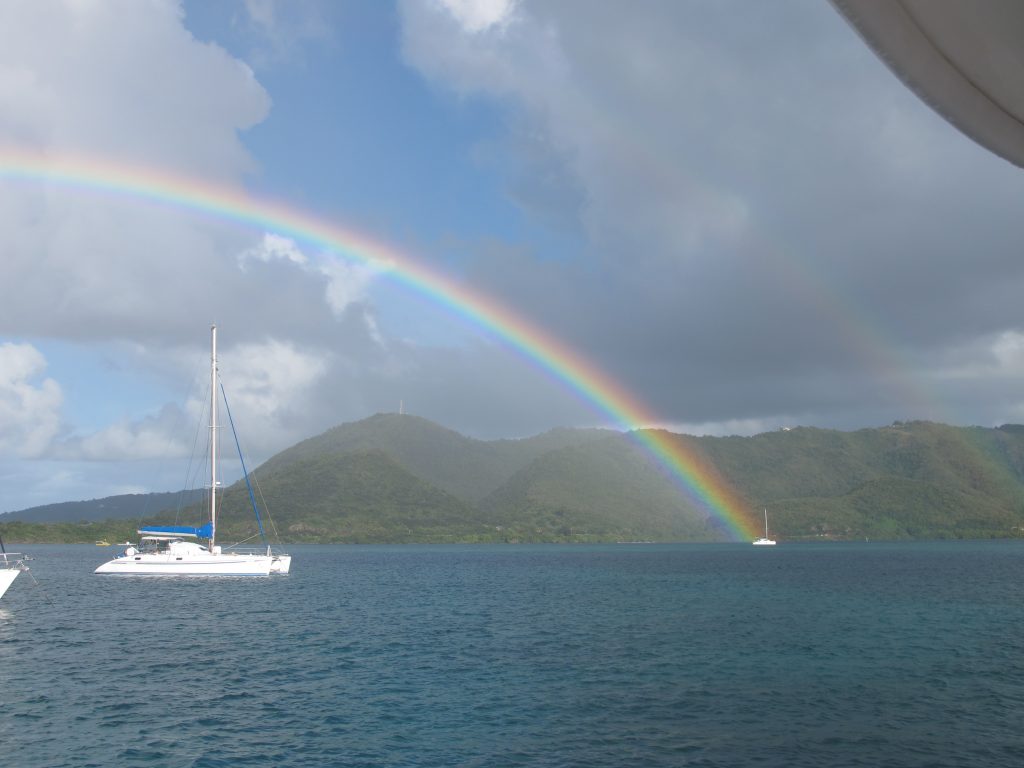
{"type": "Point", "coordinates": [175, 550]}
{"type": "Point", "coordinates": [764, 541]}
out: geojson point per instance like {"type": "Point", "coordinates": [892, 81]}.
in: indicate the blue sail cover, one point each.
{"type": "Point", "coordinates": [177, 530]}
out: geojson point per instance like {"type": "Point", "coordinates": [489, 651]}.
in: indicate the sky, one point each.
{"type": "Point", "coordinates": [733, 210]}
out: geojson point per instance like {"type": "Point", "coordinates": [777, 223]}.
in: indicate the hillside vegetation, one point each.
{"type": "Point", "coordinates": [400, 478]}
{"type": "Point", "coordinates": [131, 506]}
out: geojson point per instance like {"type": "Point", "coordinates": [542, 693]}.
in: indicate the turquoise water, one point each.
{"type": "Point", "coordinates": [631, 655]}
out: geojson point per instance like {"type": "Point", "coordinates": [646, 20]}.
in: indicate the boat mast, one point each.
{"type": "Point", "coordinates": [213, 435]}
{"type": "Point", "coordinates": [766, 522]}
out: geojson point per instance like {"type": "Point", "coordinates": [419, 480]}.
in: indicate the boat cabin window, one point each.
{"type": "Point", "coordinates": [153, 545]}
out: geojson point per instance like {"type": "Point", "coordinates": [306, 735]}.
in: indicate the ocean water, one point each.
{"type": "Point", "coordinates": [630, 655]}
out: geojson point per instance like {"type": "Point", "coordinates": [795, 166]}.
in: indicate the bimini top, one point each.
{"type": "Point", "coordinates": [176, 530]}
{"type": "Point", "coordinates": [964, 59]}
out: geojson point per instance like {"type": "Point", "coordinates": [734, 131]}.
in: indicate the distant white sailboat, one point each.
{"type": "Point", "coordinates": [164, 550]}
{"type": "Point", "coordinates": [764, 541]}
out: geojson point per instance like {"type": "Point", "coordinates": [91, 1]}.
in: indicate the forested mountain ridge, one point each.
{"type": "Point", "coordinates": [128, 506]}
{"type": "Point", "coordinates": [400, 478]}
{"type": "Point", "coordinates": [467, 468]}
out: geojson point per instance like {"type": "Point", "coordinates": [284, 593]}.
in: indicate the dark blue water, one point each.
{"type": "Point", "coordinates": [691, 655]}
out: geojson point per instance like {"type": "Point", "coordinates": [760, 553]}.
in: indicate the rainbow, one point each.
{"type": "Point", "coordinates": [676, 454]}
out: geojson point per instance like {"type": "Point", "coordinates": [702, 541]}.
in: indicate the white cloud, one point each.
{"type": "Point", "coordinates": [125, 80]}
{"type": "Point", "coordinates": [616, 110]}
{"type": "Point", "coordinates": [346, 282]}
{"type": "Point", "coordinates": [1008, 351]}
{"type": "Point", "coordinates": [155, 437]}
{"type": "Point", "coordinates": [728, 427]}
{"type": "Point", "coordinates": [273, 247]}
{"type": "Point", "coordinates": [998, 358]}
{"type": "Point", "coordinates": [480, 15]}
{"type": "Point", "coordinates": [95, 77]}
{"type": "Point", "coordinates": [29, 408]}
{"type": "Point", "coordinates": [266, 384]}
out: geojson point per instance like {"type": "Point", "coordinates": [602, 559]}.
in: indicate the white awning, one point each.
{"type": "Point", "coordinates": [964, 58]}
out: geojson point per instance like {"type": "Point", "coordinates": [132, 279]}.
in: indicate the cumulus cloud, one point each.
{"type": "Point", "coordinates": [153, 437]}
{"type": "Point", "coordinates": [603, 98]}
{"type": "Point", "coordinates": [92, 77]}
{"type": "Point", "coordinates": [268, 384]}
{"type": "Point", "coordinates": [273, 247]}
{"type": "Point", "coordinates": [29, 404]}
{"type": "Point", "coordinates": [120, 80]}
{"type": "Point", "coordinates": [127, 81]}
{"type": "Point", "coordinates": [346, 283]}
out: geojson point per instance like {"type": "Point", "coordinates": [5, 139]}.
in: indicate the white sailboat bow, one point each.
{"type": "Point", "coordinates": [175, 550]}
{"type": "Point", "coordinates": [11, 564]}
{"type": "Point", "coordinates": [764, 541]}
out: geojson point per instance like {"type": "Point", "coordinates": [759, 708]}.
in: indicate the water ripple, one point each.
{"type": "Point", "coordinates": [516, 656]}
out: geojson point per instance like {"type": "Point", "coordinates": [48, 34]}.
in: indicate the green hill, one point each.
{"type": "Point", "coordinates": [466, 468]}
{"type": "Point", "coordinates": [355, 497]}
{"type": "Point", "coordinates": [603, 490]}
{"type": "Point", "coordinates": [908, 480]}
{"type": "Point", "coordinates": [398, 478]}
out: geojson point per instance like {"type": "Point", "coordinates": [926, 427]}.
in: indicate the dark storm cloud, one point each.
{"type": "Point", "coordinates": [773, 224]}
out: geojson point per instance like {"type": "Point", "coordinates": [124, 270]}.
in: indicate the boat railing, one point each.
{"type": "Point", "coordinates": [10, 560]}
{"type": "Point", "coordinates": [247, 551]}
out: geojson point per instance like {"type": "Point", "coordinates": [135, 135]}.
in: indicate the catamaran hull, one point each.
{"type": "Point", "coordinates": [215, 565]}
{"type": "Point", "coordinates": [280, 563]}
{"type": "Point", "coordinates": [7, 577]}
